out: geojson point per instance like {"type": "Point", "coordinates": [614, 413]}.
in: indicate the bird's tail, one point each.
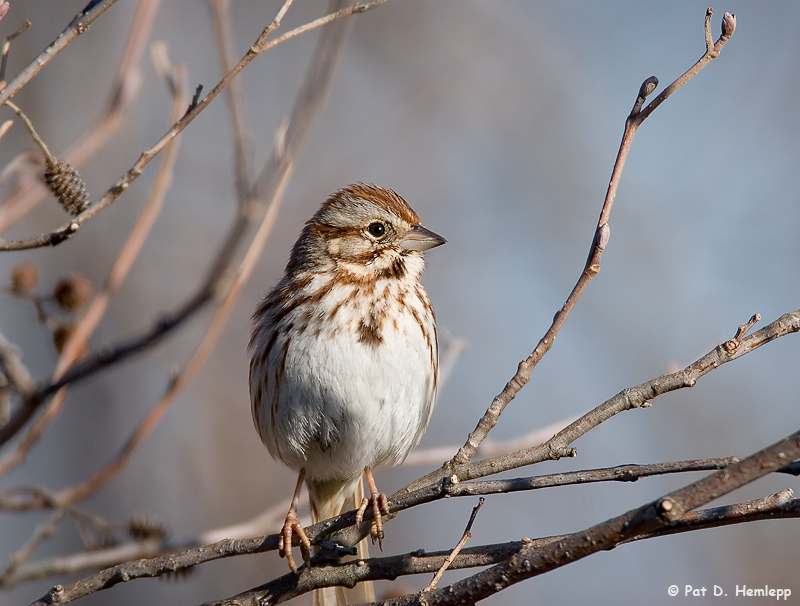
{"type": "Point", "coordinates": [329, 499]}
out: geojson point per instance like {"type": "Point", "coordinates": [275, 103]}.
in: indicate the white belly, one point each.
{"type": "Point", "coordinates": [343, 404]}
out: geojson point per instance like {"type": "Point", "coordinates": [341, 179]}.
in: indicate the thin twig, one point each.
{"type": "Point", "coordinates": [7, 43]}
{"type": "Point", "coordinates": [635, 397]}
{"type": "Point", "coordinates": [592, 267]}
{"type": "Point", "coordinates": [29, 125]}
{"type": "Point", "coordinates": [464, 538]}
{"type": "Point", "coordinates": [489, 447]}
{"type": "Point", "coordinates": [40, 534]}
{"type": "Point", "coordinates": [244, 146]}
{"type": "Point", "coordinates": [5, 126]}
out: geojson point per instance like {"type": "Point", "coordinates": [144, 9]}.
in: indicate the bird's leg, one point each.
{"type": "Point", "coordinates": [292, 524]}
{"type": "Point", "coordinates": [379, 504]}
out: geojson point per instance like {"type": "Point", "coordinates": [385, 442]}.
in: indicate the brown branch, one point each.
{"type": "Point", "coordinates": [29, 125]}
{"type": "Point", "coordinates": [779, 505]}
{"type": "Point", "coordinates": [635, 397]}
{"type": "Point", "coordinates": [5, 126]}
{"type": "Point", "coordinates": [40, 534]}
{"type": "Point", "coordinates": [459, 546]}
{"type": "Point", "coordinates": [489, 448]}
{"type": "Point", "coordinates": [274, 517]}
{"type": "Point", "coordinates": [592, 267]}
{"type": "Point", "coordinates": [284, 588]}
{"type": "Point", "coordinates": [244, 146]}
{"type": "Point", "coordinates": [728, 27]}
{"type": "Point", "coordinates": [7, 44]}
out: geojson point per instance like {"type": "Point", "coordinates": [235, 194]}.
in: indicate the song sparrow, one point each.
{"type": "Point", "coordinates": [343, 353]}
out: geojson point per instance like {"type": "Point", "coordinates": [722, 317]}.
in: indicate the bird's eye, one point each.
{"type": "Point", "coordinates": [377, 230]}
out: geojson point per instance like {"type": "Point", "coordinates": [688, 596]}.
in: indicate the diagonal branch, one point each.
{"type": "Point", "coordinates": [592, 267]}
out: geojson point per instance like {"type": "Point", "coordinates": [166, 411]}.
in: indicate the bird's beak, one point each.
{"type": "Point", "coordinates": [418, 238]}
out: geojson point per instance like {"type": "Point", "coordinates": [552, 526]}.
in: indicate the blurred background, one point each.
{"type": "Point", "coordinates": [499, 123]}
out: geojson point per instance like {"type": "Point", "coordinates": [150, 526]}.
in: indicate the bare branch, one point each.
{"type": "Point", "coordinates": [381, 568]}
{"type": "Point", "coordinates": [592, 267]}
{"type": "Point", "coordinates": [40, 534]}
{"type": "Point", "coordinates": [244, 145]}
{"type": "Point", "coordinates": [649, 518]}
{"type": "Point", "coordinates": [728, 27]}
{"type": "Point", "coordinates": [464, 538]}
{"type": "Point", "coordinates": [29, 125]}
{"type": "Point", "coordinates": [289, 586]}
{"type": "Point", "coordinates": [488, 448]}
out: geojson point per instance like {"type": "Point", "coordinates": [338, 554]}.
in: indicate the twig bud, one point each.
{"type": "Point", "coordinates": [73, 291]}
{"type": "Point", "coordinates": [728, 25]}
{"type": "Point", "coordinates": [67, 185]}
{"type": "Point", "coordinates": [648, 86]}
{"type": "Point", "coordinates": [23, 278]}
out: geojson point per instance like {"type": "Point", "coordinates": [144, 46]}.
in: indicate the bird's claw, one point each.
{"type": "Point", "coordinates": [292, 525]}
{"type": "Point", "coordinates": [380, 504]}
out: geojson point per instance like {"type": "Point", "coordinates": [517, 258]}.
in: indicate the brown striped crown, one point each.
{"type": "Point", "coordinates": [340, 233]}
